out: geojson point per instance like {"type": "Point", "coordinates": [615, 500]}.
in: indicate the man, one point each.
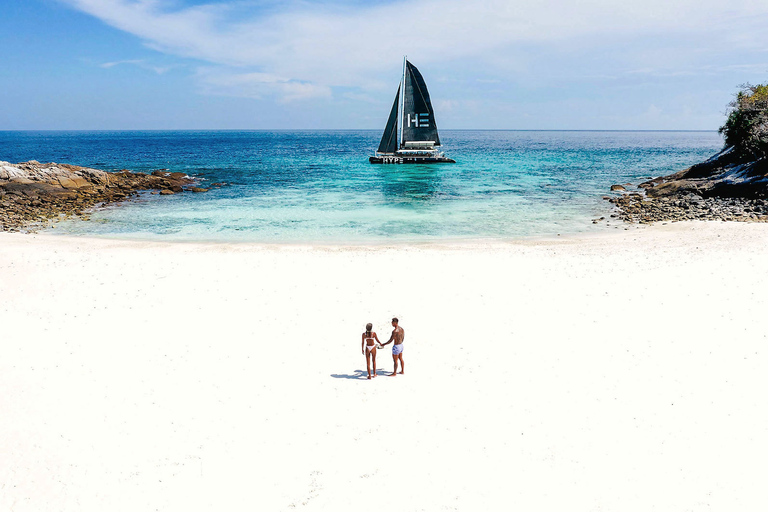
{"type": "Point", "coordinates": [398, 335]}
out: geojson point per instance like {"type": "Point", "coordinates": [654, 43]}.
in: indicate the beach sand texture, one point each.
{"type": "Point", "coordinates": [619, 372]}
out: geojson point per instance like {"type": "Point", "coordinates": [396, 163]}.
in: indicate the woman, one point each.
{"type": "Point", "coordinates": [370, 341]}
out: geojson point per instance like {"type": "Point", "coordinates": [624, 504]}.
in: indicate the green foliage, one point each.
{"type": "Point", "coordinates": [746, 128]}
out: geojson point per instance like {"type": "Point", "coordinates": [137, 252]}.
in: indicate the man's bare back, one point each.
{"type": "Point", "coordinates": [399, 335]}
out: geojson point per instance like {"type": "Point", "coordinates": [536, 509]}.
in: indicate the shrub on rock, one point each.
{"type": "Point", "coordinates": [746, 128]}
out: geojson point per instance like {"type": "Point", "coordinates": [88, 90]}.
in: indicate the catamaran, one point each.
{"type": "Point", "coordinates": [416, 141]}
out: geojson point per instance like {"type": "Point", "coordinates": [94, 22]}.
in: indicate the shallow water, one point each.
{"type": "Point", "coordinates": [317, 186]}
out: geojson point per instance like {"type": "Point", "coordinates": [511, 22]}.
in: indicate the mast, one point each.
{"type": "Point", "coordinates": [402, 101]}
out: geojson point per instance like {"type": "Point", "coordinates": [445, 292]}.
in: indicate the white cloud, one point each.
{"type": "Point", "coordinates": [223, 81]}
{"type": "Point", "coordinates": [139, 63]}
{"type": "Point", "coordinates": [347, 45]}
{"type": "Point", "coordinates": [108, 65]}
{"type": "Point", "coordinates": [446, 105]}
{"type": "Point", "coordinates": [302, 49]}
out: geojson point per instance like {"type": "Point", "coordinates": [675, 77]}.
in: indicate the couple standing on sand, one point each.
{"type": "Point", "coordinates": [371, 343]}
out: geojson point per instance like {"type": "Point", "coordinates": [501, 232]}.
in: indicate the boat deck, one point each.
{"type": "Point", "coordinates": [410, 159]}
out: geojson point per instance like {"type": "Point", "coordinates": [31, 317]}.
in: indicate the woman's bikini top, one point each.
{"type": "Point", "coordinates": [369, 339]}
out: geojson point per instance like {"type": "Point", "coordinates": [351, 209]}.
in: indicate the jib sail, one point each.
{"type": "Point", "coordinates": [388, 142]}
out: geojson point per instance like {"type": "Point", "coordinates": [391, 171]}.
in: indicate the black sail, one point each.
{"type": "Point", "coordinates": [388, 142]}
{"type": "Point", "coordinates": [418, 116]}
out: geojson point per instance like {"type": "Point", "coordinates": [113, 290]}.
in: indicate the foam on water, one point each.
{"type": "Point", "coordinates": [318, 186]}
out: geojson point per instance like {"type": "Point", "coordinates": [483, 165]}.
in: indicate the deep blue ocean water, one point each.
{"type": "Point", "coordinates": [317, 186]}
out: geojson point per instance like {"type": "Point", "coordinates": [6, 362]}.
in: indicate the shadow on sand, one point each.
{"type": "Point", "coordinates": [358, 375]}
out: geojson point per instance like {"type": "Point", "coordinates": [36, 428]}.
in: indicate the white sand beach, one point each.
{"type": "Point", "coordinates": [620, 372]}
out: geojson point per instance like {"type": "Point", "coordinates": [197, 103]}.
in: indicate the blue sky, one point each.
{"type": "Point", "coordinates": [242, 64]}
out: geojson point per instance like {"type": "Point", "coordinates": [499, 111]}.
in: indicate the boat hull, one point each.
{"type": "Point", "coordinates": [410, 160]}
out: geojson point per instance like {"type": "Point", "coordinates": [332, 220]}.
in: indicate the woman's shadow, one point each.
{"type": "Point", "coordinates": [358, 375]}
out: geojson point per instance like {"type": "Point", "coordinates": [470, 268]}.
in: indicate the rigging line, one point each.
{"type": "Point", "coordinates": [391, 135]}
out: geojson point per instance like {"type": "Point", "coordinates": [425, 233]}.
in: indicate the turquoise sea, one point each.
{"type": "Point", "coordinates": [317, 186]}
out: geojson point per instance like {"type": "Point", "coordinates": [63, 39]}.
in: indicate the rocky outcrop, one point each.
{"type": "Point", "coordinates": [640, 209]}
{"type": "Point", "coordinates": [34, 194]}
{"type": "Point", "coordinates": [724, 175]}
{"type": "Point", "coordinates": [726, 187]}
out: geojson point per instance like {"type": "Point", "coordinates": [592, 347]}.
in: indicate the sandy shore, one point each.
{"type": "Point", "coordinates": [623, 372]}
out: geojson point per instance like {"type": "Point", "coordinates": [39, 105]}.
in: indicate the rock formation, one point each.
{"type": "Point", "coordinates": [728, 186]}
{"type": "Point", "coordinates": [732, 185]}
{"type": "Point", "coordinates": [33, 194]}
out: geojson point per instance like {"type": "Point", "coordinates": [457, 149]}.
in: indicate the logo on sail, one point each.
{"type": "Point", "coordinates": [418, 120]}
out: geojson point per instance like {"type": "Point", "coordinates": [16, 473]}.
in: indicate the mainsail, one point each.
{"type": "Point", "coordinates": [410, 136]}
{"type": "Point", "coordinates": [388, 142]}
{"type": "Point", "coordinates": [418, 117]}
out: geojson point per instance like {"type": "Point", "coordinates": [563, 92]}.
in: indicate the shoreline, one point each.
{"type": "Point", "coordinates": [607, 232]}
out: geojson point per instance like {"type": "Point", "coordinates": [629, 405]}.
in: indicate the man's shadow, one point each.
{"type": "Point", "coordinates": [358, 375]}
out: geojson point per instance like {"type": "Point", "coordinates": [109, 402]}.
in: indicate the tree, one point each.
{"type": "Point", "coordinates": [746, 128]}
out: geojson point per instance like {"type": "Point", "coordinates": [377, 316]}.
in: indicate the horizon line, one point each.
{"type": "Point", "coordinates": [344, 130]}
